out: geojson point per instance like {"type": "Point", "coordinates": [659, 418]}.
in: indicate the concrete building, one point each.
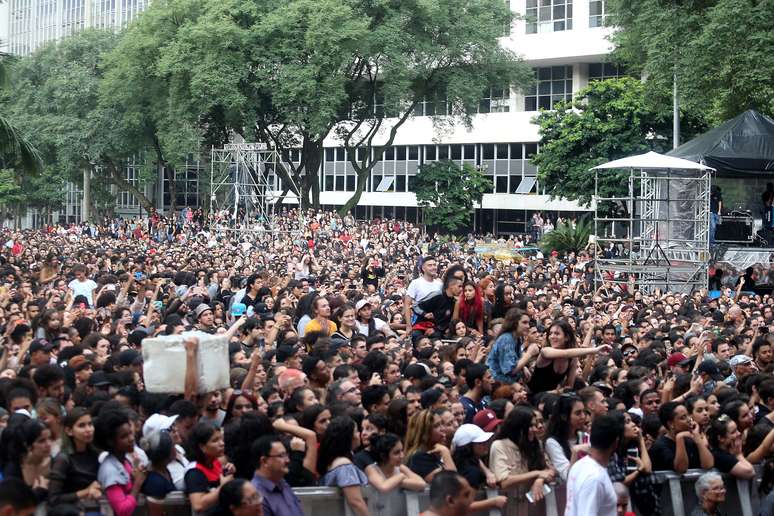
{"type": "Point", "coordinates": [563, 40]}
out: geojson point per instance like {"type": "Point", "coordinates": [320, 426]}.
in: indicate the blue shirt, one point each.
{"type": "Point", "coordinates": [278, 499]}
{"type": "Point", "coordinates": [504, 356]}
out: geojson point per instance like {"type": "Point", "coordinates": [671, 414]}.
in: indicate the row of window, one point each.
{"type": "Point", "coordinates": [556, 15]}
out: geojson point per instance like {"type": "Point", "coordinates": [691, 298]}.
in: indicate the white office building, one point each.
{"type": "Point", "coordinates": [563, 40]}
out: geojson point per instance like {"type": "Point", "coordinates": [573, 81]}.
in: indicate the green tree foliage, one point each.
{"type": "Point", "coordinates": [294, 73]}
{"type": "Point", "coordinates": [15, 150]}
{"type": "Point", "coordinates": [721, 51]}
{"type": "Point", "coordinates": [448, 193]}
{"type": "Point", "coordinates": [565, 238]}
{"type": "Point", "coordinates": [607, 120]}
{"type": "Point", "coordinates": [56, 99]}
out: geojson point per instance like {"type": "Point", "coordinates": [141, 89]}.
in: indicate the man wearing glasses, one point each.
{"type": "Point", "coordinates": [272, 460]}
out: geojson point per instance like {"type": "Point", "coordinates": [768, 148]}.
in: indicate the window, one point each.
{"type": "Point", "coordinates": [496, 100]}
{"type": "Point", "coordinates": [602, 71]}
{"type": "Point", "coordinates": [548, 16]}
{"type": "Point", "coordinates": [553, 84]}
{"type": "Point", "coordinates": [507, 27]}
{"type": "Point", "coordinates": [597, 13]}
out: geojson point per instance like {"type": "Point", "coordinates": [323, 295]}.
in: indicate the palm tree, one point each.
{"type": "Point", "coordinates": [565, 238]}
{"type": "Point", "coordinates": [14, 148]}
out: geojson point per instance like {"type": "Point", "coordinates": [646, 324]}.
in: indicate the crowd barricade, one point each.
{"type": "Point", "coordinates": [678, 498]}
{"type": "Point", "coordinates": [678, 495]}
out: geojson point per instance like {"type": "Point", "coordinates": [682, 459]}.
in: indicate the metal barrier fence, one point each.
{"type": "Point", "coordinates": [677, 499]}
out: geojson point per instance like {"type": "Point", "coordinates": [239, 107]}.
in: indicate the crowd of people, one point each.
{"type": "Point", "coordinates": [364, 353]}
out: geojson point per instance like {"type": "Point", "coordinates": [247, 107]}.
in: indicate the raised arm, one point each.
{"type": "Point", "coordinates": [191, 367]}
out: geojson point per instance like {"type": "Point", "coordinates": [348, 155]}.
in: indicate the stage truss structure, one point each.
{"type": "Point", "coordinates": [242, 181]}
{"type": "Point", "coordinates": [664, 235]}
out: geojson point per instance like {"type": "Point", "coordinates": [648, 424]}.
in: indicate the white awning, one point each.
{"type": "Point", "coordinates": [654, 160]}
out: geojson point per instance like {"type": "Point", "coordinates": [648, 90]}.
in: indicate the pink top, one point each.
{"type": "Point", "coordinates": [120, 495]}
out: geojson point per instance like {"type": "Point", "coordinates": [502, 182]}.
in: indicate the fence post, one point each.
{"type": "Point", "coordinates": [412, 503]}
{"type": "Point", "coordinates": [676, 493]}
{"type": "Point", "coordinates": [550, 501]}
{"type": "Point", "coordinates": [743, 486]}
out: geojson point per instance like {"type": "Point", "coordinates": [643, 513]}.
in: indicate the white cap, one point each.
{"type": "Point", "coordinates": [360, 304]}
{"type": "Point", "coordinates": [157, 423]}
{"type": "Point", "coordinates": [468, 433]}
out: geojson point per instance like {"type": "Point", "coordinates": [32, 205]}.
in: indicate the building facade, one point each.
{"type": "Point", "coordinates": [564, 41]}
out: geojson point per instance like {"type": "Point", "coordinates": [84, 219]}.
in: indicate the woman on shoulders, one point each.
{"type": "Point", "coordinates": [334, 462]}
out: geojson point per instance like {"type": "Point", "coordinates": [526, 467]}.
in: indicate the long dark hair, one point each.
{"type": "Point", "coordinates": [511, 321]}
{"type": "Point", "coordinates": [336, 442]}
{"type": "Point", "coordinates": [516, 428]}
{"type": "Point", "coordinates": [569, 333]}
{"type": "Point", "coordinates": [106, 427]}
{"type": "Point", "coordinates": [201, 433]}
{"type": "Point", "coordinates": [382, 445]}
{"type": "Point", "coordinates": [559, 422]}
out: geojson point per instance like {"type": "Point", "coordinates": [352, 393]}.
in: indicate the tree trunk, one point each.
{"type": "Point", "coordinates": [117, 179]}
{"type": "Point", "coordinates": [86, 202]}
{"type": "Point", "coordinates": [280, 200]}
{"type": "Point", "coordinates": [353, 201]}
{"type": "Point", "coordinates": [171, 174]}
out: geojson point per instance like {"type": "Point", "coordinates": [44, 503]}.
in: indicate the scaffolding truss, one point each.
{"type": "Point", "coordinates": [242, 182]}
{"type": "Point", "coordinates": [663, 238]}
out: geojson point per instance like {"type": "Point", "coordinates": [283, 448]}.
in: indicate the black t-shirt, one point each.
{"type": "Point", "coordinates": [662, 454]}
{"type": "Point", "coordinates": [724, 461]}
{"type": "Point", "coordinates": [423, 463]}
{"type": "Point", "coordinates": [472, 474]}
{"type": "Point", "coordinates": [441, 306]}
{"type": "Point", "coordinates": [196, 482]}
{"type": "Point", "coordinates": [363, 459]}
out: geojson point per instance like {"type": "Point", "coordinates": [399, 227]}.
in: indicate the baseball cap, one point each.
{"type": "Point", "coordinates": [468, 433]}
{"type": "Point", "coordinates": [157, 423]}
{"type": "Point", "coordinates": [737, 360]}
{"type": "Point", "coordinates": [99, 379]}
{"type": "Point", "coordinates": [360, 304]}
{"type": "Point", "coordinates": [675, 358]}
{"type": "Point", "coordinates": [129, 357]}
{"type": "Point", "coordinates": [486, 420]}
{"type": "Point", "coordinates": [711, 368]}
{"type": "Point", "coordinates": [201, 309]}
{"type": "Point", "coordinates": [40, 345]}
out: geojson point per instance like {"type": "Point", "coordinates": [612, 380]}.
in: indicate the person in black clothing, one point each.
{"type": "Point", "coordinates": [716, 205]}
{"type": "Point", "coordinates": [726, 442]}
{"type": "Point", "coordinates": [73, 477]}
{"type": "Point", "coordinates": [768, 202]}
{"type": "Point", "coordinates": [438, 309]}
{"type": "Point", "coordinates": [371, 272]}
{"type": "Point", "coordinates": [683, 446]}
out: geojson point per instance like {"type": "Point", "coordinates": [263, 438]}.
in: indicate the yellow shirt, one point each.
{"type": "Point", "coordinates": [314, 326]}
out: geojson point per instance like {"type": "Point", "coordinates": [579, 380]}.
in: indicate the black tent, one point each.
{"type": "Point", "coordinates": [742, 146]}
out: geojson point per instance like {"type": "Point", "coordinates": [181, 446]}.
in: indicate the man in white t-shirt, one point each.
{"type": "Point", "coordinates": [589, 489]}
{"type": "Point", "coordinates": [422, 287]}
{"type": "Point", "coordinates": [82, 286]}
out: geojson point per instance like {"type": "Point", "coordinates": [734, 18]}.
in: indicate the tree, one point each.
{"type": "Point", "coordinates": [449, 192]}
{"type": "Point", "coordinates": [15, 150]}
{"type": "Point", "coordinates": [720, 51]}
{"type": "Point", "coordinates": [55, 98]}
{"type": "Point", "coordinates": [293, 74]}
{"type": "Point", "coordinates": [565, 238]}
{"type": "Point", "coordinates": [606, 120]}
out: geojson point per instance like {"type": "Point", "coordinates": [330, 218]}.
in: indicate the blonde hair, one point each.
{"type": "Point", "coordinates": [420, 428]}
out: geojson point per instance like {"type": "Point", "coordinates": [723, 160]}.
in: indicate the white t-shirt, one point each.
{"type": "Point", "coordinates": [83, 288]}
{"type": "Point", "coordinates": [420, 288]}
{"type": "Point", "coordinates": [589, 490]}
{"type": "Point", "coordinates": [379, 325]}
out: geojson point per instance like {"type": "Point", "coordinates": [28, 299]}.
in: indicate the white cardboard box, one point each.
{"type": "Point", "coordinates": [164, 363]}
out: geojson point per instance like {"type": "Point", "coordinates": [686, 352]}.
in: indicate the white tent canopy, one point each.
{"type": "Point", "coordinates": [654, 160]}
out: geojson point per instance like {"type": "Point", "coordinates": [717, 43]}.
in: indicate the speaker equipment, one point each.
{"type": "Point", "coordinates": [734, 229]}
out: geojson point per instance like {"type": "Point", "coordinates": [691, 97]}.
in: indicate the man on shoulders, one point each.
{"type": "Point", "coordinates": [589, 489]}
{"type": "Point", "coordinates": [420, 288]}
{"type": "Point", "coordinates": [272, 459]}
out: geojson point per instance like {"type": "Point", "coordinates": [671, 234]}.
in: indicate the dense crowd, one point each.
{"type": "Point", "coordinates": [364, 353]}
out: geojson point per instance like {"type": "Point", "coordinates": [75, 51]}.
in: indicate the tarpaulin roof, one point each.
{"type": "Point", "coordinates": [653, 160]}
{"type": "Point", "coordinates": [741, 146]}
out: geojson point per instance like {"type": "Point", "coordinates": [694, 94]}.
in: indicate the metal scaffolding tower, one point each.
{"type": "Point", "coordinates": [665, 240]}
{"type": "Point", "coordinates": [242, 182]}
